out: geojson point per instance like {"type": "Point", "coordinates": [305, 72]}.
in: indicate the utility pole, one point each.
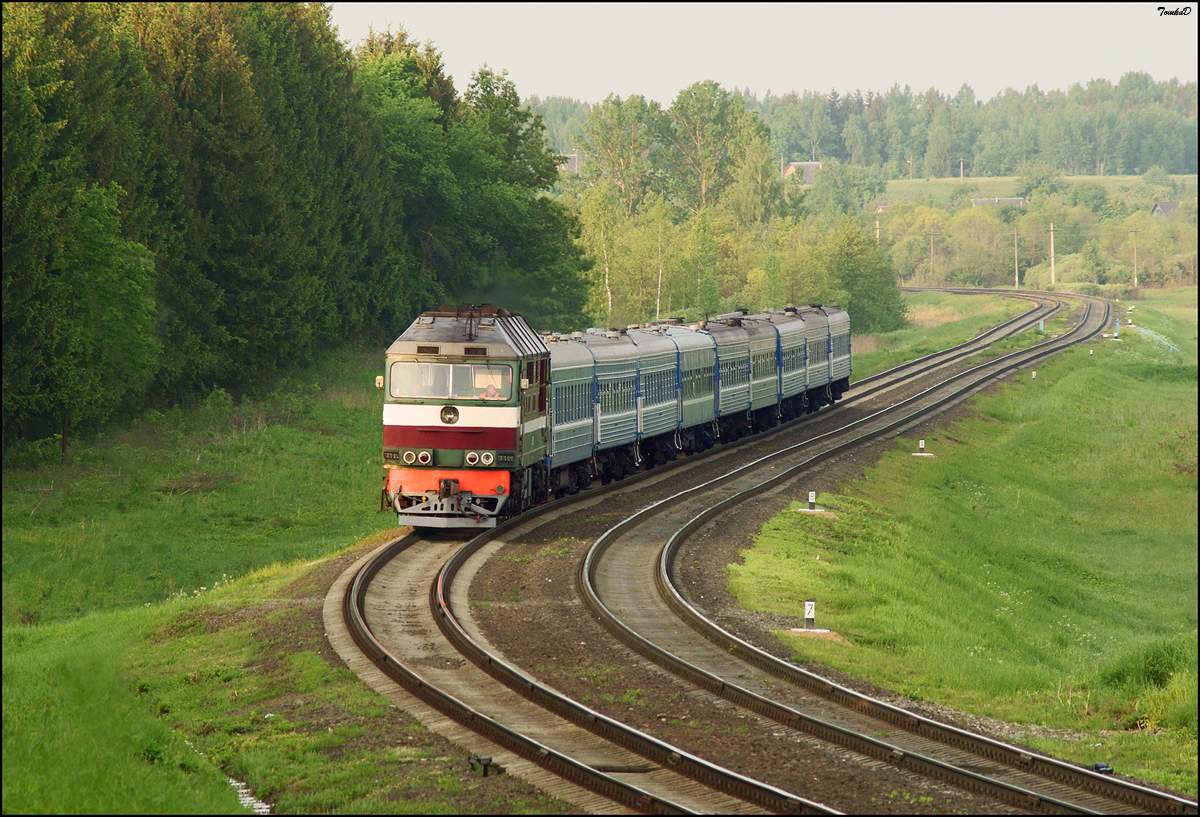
{"type": "Point", "coordinates": [1134, 234]}
{"type": "Point", "coordinates": [1016, 273]}
{"type": "Point", "coordinates": [910, 168]}
{"type": "Point", "coordinates": [960, 167]}
{"type": "Point", "coordinates": [1052, 255]}
{"type": "Point", "coordinates": [876, 229]}
{"type": "Point", "coordinates": [931, 257]}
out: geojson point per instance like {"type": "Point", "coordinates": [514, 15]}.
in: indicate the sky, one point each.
{"type": "Point", "coordinates": [588, 51]}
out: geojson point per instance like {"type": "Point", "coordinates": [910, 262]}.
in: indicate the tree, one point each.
{"type": "Point", "coordinates": [755, 193]}
{"type": "Point", "coordinates": [619, 139]}
{"type": "Point", "coordinates": [844, 189]}
{"type": "Point", "coordinates": [104, 285]}
{"type": "Point", "coordinates": [849, 256]}
{"type": "Point", "coordinates": [700, 130]}
{"type": "Point", "coordinates": [1037, 179]}
{"type": "Point", "coordinates": [703, 261]}
{"type": "Point", "coordinates": [815, 124]}
{"type": "Point", "coordinates": [773, 285]}
{"type": "Point", "coordinates": [601, 212]}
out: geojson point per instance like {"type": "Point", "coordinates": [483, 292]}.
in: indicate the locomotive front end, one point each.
{"type": "Point", "coordinates": [452, 419]}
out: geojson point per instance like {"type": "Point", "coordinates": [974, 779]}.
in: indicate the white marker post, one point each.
{"type": "Point", "coordinates": [1034, 375]}
{"type": "Point", "coordinates": [812, 504]}
{"type": "Point", "coordinates": [810, 614]}
{"type": "Point", "coordinates": [921, 452]}
{"type": "Point", "coordinates": [1091, 352]}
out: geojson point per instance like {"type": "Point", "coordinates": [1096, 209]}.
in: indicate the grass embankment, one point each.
{"type": "Point", "coordinates": [937, 320]}
{"type": "Point", "coordinates": [186, 497]}
{"type": "Point", "coordinates": [939, 191]}
{"type": "Point", "coordinates": [154, 520]}
{"type": "Point", "coordinates": [244, 673]}
{"type": "Point", "coordinates": [1042, 569]}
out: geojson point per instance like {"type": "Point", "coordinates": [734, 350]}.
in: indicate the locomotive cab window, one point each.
{"type": "Point", "coordinates": [460, 381]}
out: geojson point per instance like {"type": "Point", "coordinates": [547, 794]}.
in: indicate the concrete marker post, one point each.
{"type": "Point", "coordinates": [921, 452]}
{"type": "Point", "coordinates": [810, 614]}
{"type": "Point", "coordinates": [812, 504]}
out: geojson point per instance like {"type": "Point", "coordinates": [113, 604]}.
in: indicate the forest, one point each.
{"type": "Point", "coordinates": [1093, 128]}
{"type": "Point", "coordinates": [200, 197]}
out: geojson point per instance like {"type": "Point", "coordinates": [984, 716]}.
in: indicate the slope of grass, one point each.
{"type": "Point", "coordinates": [186, 497]}
{"type": "Point", "coordinates": [936, 320]}
{"type": "Point", "coordinates": [99, 711]}
{"type": "Point", "coordinates": [1041, 569]}
{"type": "Point", "coordinates": [77, 738]}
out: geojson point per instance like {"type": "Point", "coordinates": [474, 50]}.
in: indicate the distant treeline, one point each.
{"type": "Point", "coordinates": [202, 194]}
{"type": "Point", "coordinates": [685, 211]}
{"type": "Point", "coordinates": [1094, 129]}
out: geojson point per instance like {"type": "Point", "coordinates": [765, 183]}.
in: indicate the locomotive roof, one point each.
{"type": "Point", "coordinates": [446, 332]}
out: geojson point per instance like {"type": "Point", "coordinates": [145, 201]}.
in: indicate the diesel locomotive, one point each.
{"type": "Point", "coordinates": [483, 417]}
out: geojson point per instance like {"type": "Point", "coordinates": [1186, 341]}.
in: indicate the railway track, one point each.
{"type": "Point", "coordinates": [402, 608]}
{"type": "Point", "coordinates": [628, 581]}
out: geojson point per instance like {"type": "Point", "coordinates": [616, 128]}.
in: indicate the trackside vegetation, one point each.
{"type": "Point", "coordinates": [1040, 569]}
{"type": "Point", "coordinates": [150, 709]}
{"type": "Point", "coordinates": [936, 320]}
{"type": "Point", "coordinates": [182, 500]}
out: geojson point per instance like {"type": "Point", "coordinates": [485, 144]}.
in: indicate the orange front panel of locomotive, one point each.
{"type": "Point", "coordinates": [418, 481]}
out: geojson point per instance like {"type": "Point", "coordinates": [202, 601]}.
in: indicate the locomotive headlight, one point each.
{"type": "Point", "coordinates": [424, 458]}
{"type": "Point", "coordinates": [487, 457]}
{"type": "Point", "coordinates": [472, 457]}
{"type": "Point", "coordinates": [409, 457]}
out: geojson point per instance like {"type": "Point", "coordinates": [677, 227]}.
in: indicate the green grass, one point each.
{"type": "Point", "coordinates": [1041, 569]}
{"type": "Point", "coordinates": [77, 738]}
{"type": "Point", "coordinates": [186, 497]}
{"type": "Point", "coordinates": [96, 712]}
{"type": "Point", "coordinates": [937, 320]}
{"type": "Point", "coordinates": [940, 190]}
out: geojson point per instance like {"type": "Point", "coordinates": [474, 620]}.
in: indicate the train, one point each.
{"type": "Point", "coordinates": [484, 418]}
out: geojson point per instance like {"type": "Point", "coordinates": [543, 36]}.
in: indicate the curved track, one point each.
{"type": "Point", "coordinates": [627, 580]}
{"type": "Point", "coordinates": [403, 610]}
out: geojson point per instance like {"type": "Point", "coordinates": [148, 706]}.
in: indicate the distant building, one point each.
{"type": "Point", "coordinates": [571, 164]}
{"type": "Point", "coordinates": [807, 170]}
{"type": "Point", "coordinates": [1162, 209]}
{"type": "Point", "coordinates": [1001, 201]}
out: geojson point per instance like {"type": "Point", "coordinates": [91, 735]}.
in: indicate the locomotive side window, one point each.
{"type": "Point", "coordinates": [461, 381]}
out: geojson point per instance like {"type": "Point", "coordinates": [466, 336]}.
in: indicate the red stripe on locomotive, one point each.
{"type": "Point", "coordinates": [500, 439]}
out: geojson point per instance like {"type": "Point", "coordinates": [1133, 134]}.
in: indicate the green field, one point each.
{"type": "Point", "coordinates": [1040, 570]}
{"type": "Point", "coordinates": [939, 191]}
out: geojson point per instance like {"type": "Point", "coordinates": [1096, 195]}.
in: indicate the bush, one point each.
{"type": "Point", "coordinates": [1152, 665]}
